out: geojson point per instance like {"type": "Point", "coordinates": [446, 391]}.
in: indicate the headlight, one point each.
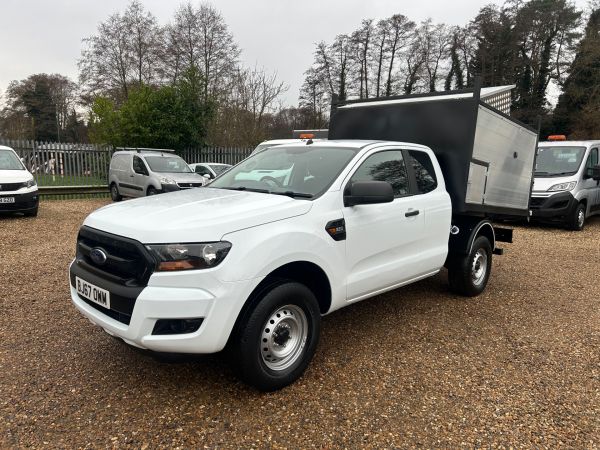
{"type": "Point", "coordinates": [31, 183]}
{"type": "Point", "coordinates": [189, 256]}
{"type": "Point", "coordinates": [563, 186]}
{"type": "Point", "coordinates": [165, 180]}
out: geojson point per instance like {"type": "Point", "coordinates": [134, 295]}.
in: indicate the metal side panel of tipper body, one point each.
{"type": "Point", "coordinates": [503, 155]}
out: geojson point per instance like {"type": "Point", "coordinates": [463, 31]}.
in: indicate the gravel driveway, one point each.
{"type": "Point", "coordinates": [519, 365]}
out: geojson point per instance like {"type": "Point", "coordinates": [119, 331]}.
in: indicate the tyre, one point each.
{"type": "Point", "coordinates": [277, 338]}
{"type": "Point", "coordinates": [468, 275]}
{"type": "Point", "coordinates": [577, 221]}
{"type": "Point", "coordinates": [32, 213]}
{"type": "Point", "coordinates": [114, 193]}
{"type": "Point", "coordinates": [152, 191]}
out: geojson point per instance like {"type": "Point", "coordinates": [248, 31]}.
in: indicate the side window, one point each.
{"type": "Point", "coordinates": [592, 159]}
{"type": "Point", "coordinates": [201, 170]}
{"type": "Point", "coordinates": [139, 166]}
{"type": "Point", "coordinates": [384, 166]}
{"type": "Point", "coordinates": [424, 171]}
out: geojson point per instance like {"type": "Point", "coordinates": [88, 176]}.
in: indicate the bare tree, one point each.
{"type": "Point", "coordinates": [401, 34]}
{"type": "Point", "coordinates": [124, 51]}
{"type": "Point", "coordinates": [436, 41]}
{"type": "Point", "coordinates": [201, 39]}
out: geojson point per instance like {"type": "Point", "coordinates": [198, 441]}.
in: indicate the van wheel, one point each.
{"type": "Point", "coordinates": [578, 219]}
{"type": "Point", "coordinates": [152, 191]}
{"type": "Point", "coordinates": [114, 193]}
{"type": "Point", "coordinates": [469, 275]}
{"type": "Point", "coordinates": [277, 339]}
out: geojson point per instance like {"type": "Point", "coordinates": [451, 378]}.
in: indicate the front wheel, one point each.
{"type": "Point", "coordinates": [114, 193]}
{"type": "Point", "coordinates": [152, 191]}
{"type": "Point", "coordinates": [468, 275]}
{"type": "Point", "coordinates": [577, 221]}
{"type": "Point", "coordinates": [277, 339]}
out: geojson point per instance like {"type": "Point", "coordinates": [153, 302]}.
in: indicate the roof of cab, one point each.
{"type": "Point", "coordinates": [357, 144]}
{"type": "Point", "coordinates": [569, 143]}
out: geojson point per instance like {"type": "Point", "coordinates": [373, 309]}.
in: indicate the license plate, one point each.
{"type": "Point", "coordinates": [7, 199]}
{"type": "Point", "coordinates": [92, 293]}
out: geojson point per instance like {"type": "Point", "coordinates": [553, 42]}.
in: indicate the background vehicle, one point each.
{"type": "Point", "coordinates": [209, 171]}
{"type": "Point", "coordinates": [253, 264]}
{"type": "Point", "coordinates": [18, 189]}
{"type": "Point", "coordinates": [566, 188]}
{"type": "Point", "coordinates": [141, 172]}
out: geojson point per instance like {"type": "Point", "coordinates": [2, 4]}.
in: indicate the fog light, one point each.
{"type": "Point", "coordinates": [176, 326]}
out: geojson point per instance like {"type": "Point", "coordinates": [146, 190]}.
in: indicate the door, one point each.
{"type": "Point", "coordinates": [139, 176]}
{"type": "Point", "coordinates": [382, 240]}
{"type": "Point", "coordinates": [591, 185]}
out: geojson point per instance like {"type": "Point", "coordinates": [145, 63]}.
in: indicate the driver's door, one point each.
{"type": "Point", "coordinates": [592, 185]}
{"type": "Point", "coordinates": [382, 240]}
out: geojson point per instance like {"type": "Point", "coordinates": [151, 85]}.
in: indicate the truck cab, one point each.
{"type": "Point", "coordinates": [566, 188]}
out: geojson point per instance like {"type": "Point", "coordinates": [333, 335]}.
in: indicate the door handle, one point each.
{"type": "Point", "coordinates": [131, 175]}
{"type": "Point", "coordinates": [412, 213]}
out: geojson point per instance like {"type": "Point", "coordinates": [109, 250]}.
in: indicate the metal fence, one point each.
{"type": "Point", "coordinates": [58, 165]}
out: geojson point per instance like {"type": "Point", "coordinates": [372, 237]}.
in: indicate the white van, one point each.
{"type": "Point", "coordinates": [141, 172]}
{"type": "Point", "coordinates": [18, 189]}
{"type": "Point", "coordinates": [566, 188]}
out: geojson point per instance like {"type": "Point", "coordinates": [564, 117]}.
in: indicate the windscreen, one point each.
{"type": "Point", "coordinates": [220, 168]}
{"type": "Point", "coordinates": [9, 161]}
{"type": "Point", "coordinates": [299, 171]}
{"type": "Point", "coordinates": [557, 161]}
{"type": "Point", "coordinates": [167, 164]}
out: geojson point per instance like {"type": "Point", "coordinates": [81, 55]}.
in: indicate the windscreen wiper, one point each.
{"type": "Point", "coordinates": [244, 188]}
{"type": "Point", "coordinates": [293, 194]}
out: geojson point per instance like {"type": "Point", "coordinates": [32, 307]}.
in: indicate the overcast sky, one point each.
{"type": "Point", "coordinates": [279, 35]}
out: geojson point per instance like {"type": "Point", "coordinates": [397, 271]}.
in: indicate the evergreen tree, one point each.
{"type": "Point", "coordinates": [578, 109]}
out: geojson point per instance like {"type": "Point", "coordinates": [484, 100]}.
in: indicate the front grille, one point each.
{"type": "Point", "coordinates": [9, 187]}
{"type": "Point", "coordinates": [189, 185]}
{"type": "Point", "coordinates": [536, 201]}
{"type": "Point", "coordinates": [127, 263]}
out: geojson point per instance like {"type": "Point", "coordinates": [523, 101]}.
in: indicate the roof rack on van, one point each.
{"type": "Point", "coordinates": [143, 149]}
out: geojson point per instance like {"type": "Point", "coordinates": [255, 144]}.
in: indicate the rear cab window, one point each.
{"type": "Point", "coordinates": [424, 172]}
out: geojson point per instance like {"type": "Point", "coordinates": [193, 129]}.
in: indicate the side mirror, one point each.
{"type": "Point", "coordinates": [369, 192]}
{"type": "Point", "coordinates": [207, 176]}
{"type": "Point", "coordinates": [594, 172]}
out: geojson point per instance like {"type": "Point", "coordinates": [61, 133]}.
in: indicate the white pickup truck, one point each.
{"type": "Point", "coordinates": [252, 266]}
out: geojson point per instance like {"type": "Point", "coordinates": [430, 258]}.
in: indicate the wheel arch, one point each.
{"type": "Point", "coordinates": [464, 232]}
{"type": "Point", "coordinates": [305, 272]}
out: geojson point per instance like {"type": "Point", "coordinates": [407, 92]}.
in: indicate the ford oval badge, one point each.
{"type": "Point", "coordinates": [98, 256]}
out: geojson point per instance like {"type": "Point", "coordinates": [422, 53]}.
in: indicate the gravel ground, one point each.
{"type": "Point", "coordinates": [419, 367]}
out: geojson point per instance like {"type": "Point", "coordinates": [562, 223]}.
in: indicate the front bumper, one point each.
{"type": "Point", "coordinates": [553, 208]}
{"type": "Point", "coordinates": [24, 202]}
{"type": "Point", "coordinates": [169, 296]}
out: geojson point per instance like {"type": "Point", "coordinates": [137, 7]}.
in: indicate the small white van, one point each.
{"type": "Point", "coordinates": [142, 172]}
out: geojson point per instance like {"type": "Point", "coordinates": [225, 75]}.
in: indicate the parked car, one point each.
{"type": "Point", "coordinates": [141, 172]}
{"type": "Point", "coordinates": [18, 189]}
{"type": "Point", "coordinates": [252, 266]}
{"type": "Point", "coordinates": [566, 188]}
{"type": "Point", "coordinates": [210, 171]}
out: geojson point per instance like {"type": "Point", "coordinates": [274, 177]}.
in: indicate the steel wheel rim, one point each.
{"type": "Point", "coordinates": [115, 193]}
{"type": "Point", "coordinates": [479, 267]}
{"type": "Point", "coordinates": [284, 337]}
{"type": "Point", "coordinates": [580, 218]}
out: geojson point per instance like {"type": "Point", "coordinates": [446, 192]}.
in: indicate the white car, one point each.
{"type": "Point", "coordinates": [210, 170]}
{"type": "Point", "coordinates": [18, 189]}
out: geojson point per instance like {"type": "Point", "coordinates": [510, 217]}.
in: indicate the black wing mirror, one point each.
{"type": "Point", "coordinates": [592, 172]}
{"type": "Point", "coordinates": [368, 192]}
